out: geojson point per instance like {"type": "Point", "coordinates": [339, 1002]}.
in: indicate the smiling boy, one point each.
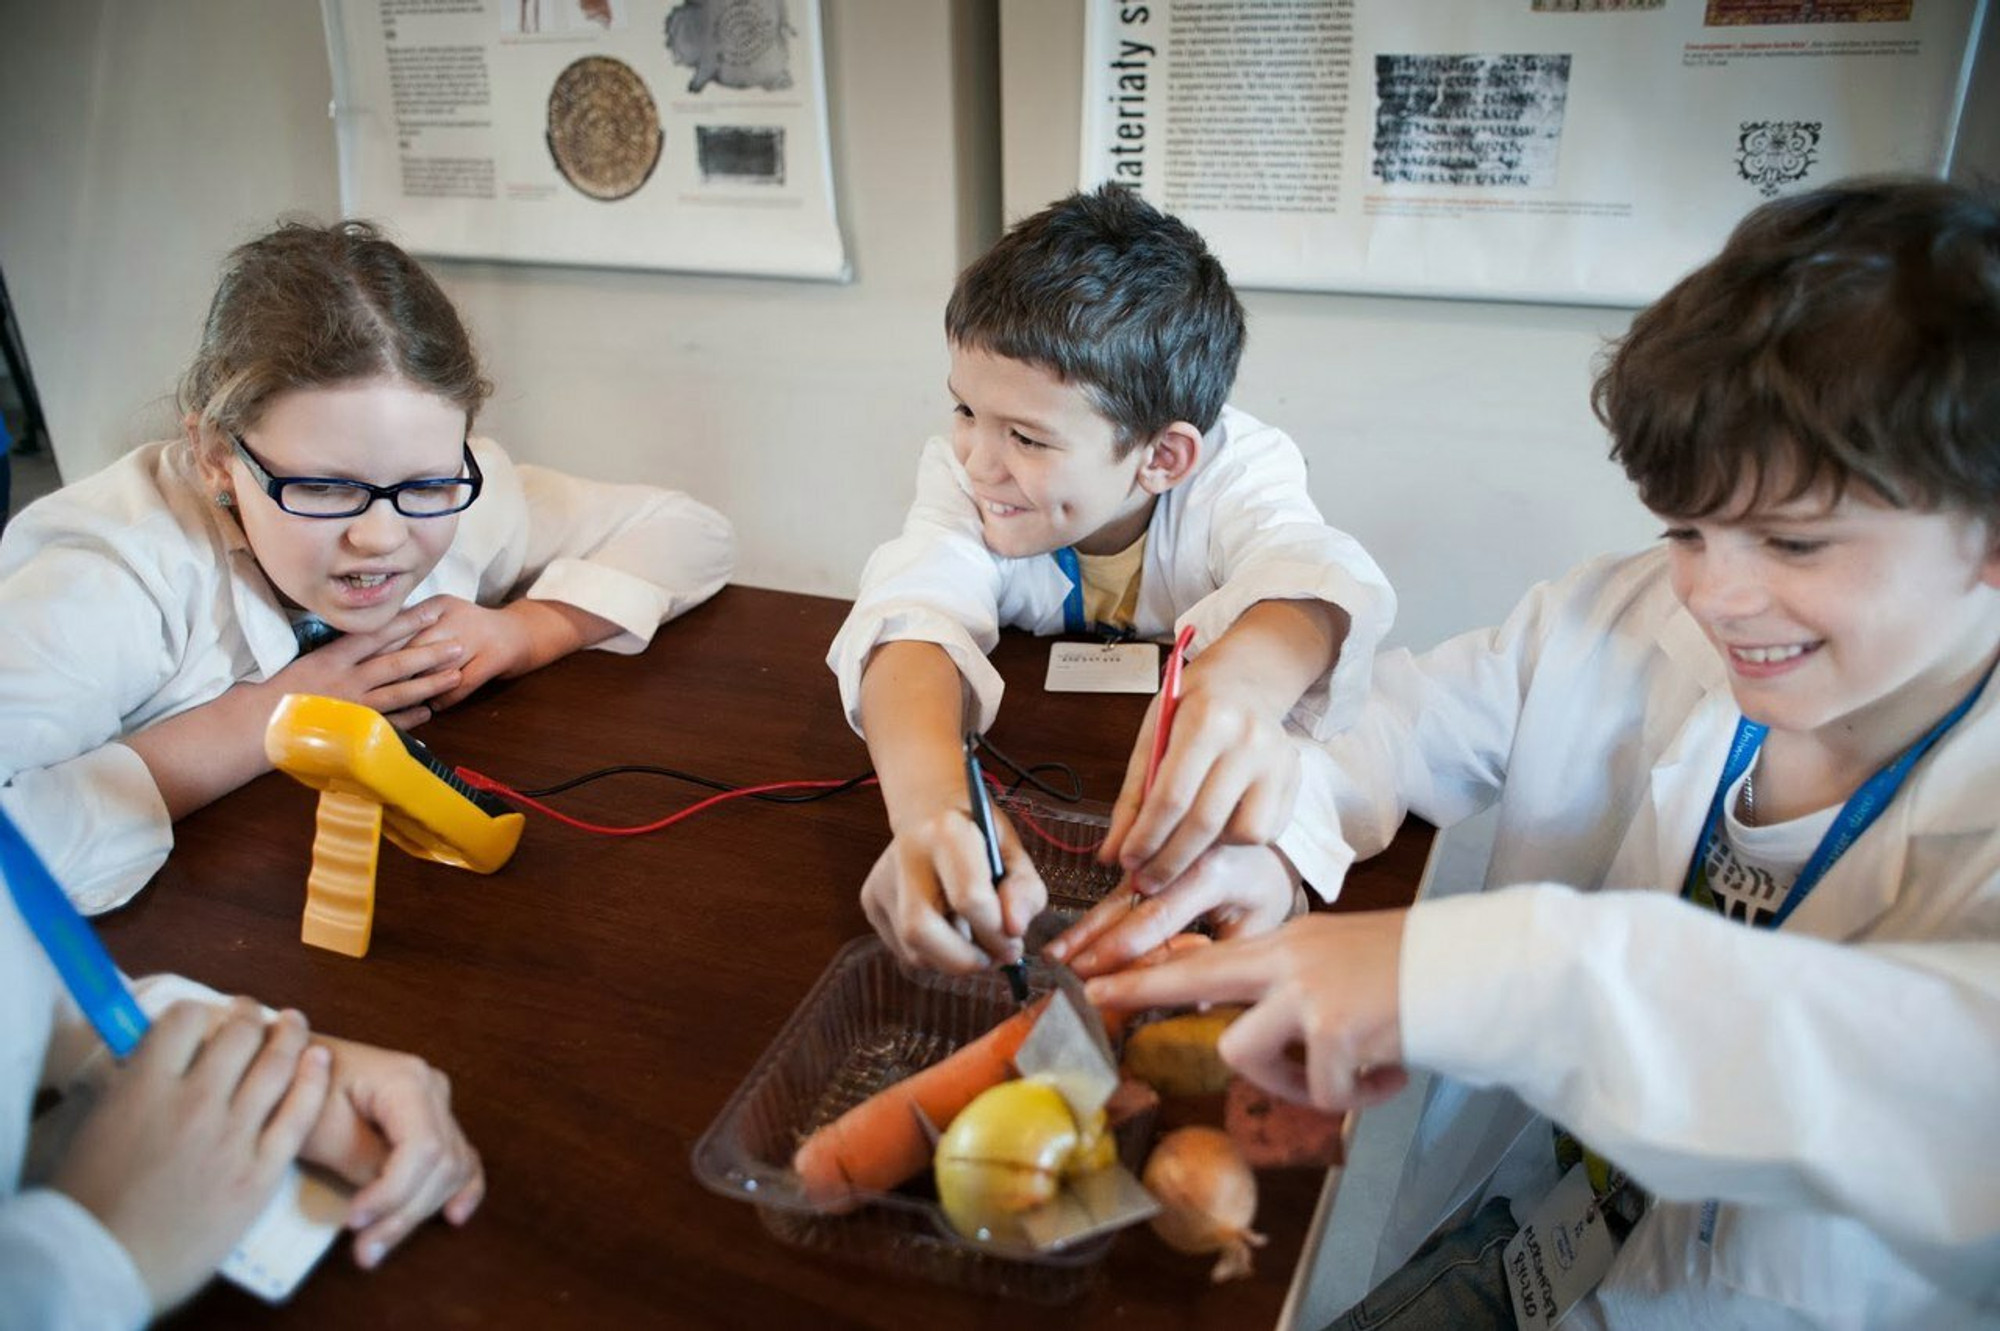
{"type": "Point", "coordinates": [1094, 481]}
{"type": "Point", "coordinates": [1740, 932]}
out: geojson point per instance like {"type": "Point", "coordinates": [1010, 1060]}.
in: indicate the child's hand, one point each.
{"type": "Point", "coordinates": [387, 1128]}
{"type": "Point", "coordinates": [192, 1137]}
{"type": "Point", "coordinates": [1230, 774]}
{"type": "Point", "coordinates": [934, 878]}
{"type": "Point", "coordinates": [389, 670]}
{"type": "Point", "coordinates": [1240, 890]}
{"type": "Point", "coordinates": [501, 643]}
{"type": "Point", "coordinates": [1325, 1026]}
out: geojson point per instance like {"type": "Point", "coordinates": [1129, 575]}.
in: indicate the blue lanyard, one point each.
{"type": "Point", "coordinates": [71, 943]}
{"type": "Point", "coordinates": [1073, 620]}
{"type": "Point", "coordinates": [1863, 807]}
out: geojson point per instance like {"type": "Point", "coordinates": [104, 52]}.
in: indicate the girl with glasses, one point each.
{"type": "Point", "coordinates": [327, 523]}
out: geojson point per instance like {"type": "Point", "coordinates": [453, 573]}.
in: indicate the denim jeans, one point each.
{"type": "Point", "coordinates": [1456, 1282]}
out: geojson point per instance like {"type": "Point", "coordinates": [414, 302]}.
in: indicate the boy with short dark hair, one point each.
{"type": "Point", "coordinates": [1096, 480]}
{"type": "Point", "coordinates": [1740, 935]}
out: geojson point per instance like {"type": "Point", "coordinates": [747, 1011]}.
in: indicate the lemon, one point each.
{"type": "Point", "coordinates": [1008, 1152]}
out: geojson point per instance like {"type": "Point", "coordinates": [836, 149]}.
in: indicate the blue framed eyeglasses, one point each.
{"type": "Point", "coordinates": [335, 497]}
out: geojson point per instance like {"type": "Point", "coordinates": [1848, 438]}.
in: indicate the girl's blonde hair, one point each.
{"type": "Point", "coordinates": [306, 306]}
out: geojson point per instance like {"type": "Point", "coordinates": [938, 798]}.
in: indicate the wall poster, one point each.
{"type": "Point", "coordinates": [1580, 151]}
{"type": "Point", "coordinates": [681, 134]}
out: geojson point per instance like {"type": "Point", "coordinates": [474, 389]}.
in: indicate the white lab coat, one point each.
{"type": "Point", "coordinates": [128, 598]}
{"type": "Point", "coordinates": [60, 1270]}
{"type": "Point", "coordinates": [1240, 530]}
{"type": "Point", "coordinates": [1836, 1085]}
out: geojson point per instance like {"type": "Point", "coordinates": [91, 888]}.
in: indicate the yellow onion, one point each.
{"type": "Point", "coordinates": [1207, 1197]}
{"type": "Point", "coordinates": [1008, 1152]}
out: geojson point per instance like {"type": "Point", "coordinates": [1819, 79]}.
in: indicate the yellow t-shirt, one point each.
{"type": "Point", "coordinates": [1111, 585]}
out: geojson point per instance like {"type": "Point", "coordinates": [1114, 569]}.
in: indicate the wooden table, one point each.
{"type": "Point", "coordinates": [597, 1000]}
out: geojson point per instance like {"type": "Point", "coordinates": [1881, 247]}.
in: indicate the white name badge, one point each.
{"type": "Point", "coordinates": [1103, 667]}
{"type": "Point", "coordinates": [1559, 1255]}
{"type": "Point", "coordinates": [289, 1238]}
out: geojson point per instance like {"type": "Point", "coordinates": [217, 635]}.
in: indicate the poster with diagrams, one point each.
{"type": "Point", "coordinates": [675, 134]}
{"type": "Point", "coordinates": [1578, 151]}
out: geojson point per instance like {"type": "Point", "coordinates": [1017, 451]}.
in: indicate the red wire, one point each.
{"type": "Point", "coordinates": [483, 782]}
{"type": "Point", "coordinates": [480, 781]}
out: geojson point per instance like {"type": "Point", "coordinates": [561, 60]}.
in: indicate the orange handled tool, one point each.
{"type": "Point", "coordinates": [375, 781]}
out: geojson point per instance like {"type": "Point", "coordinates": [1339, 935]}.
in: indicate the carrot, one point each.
{"type": "Point", "coordinates": [879, 1143]}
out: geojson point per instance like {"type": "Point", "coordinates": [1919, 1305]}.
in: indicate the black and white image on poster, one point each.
{"type": "Point", "coordinates": [675, 134]}
{"type": "Point", "coordinates": [1577, 151]}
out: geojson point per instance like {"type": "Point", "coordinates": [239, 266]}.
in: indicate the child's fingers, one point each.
{"type": "Point", "coordinates": [273, 1070]}
{"type": "Point", "coordinates": [290, 1124]}
{"type": "Point", "coordinates": [409, 717]}
{"type": "Point", "coordinates": [1023, 894]}
{"type": "Point", "coordinates": [413, 663]}
{"type": "Point", "coordinates": [1131, 791]}
{"type": "Point", "coordinates": [466, 1200]}
{"type": "Point", "coordinates": [1096, 922]}
{"type": "Point", "coordinates": [171, 1043]}
{"type": "Point", "coordinates": [920, 927]}
{"type": "Point", "coordinates": [965, 877]}
{"type": "Point", "coordinates": [227, 1053]}
{"type": "Point", "coordinates": [1259, 1046]}
{"type": "Point", "coordinates": [410, 621]}
{"type": "Point", "coordinates": [410, 692]}
{"type": "Point", "coordinates": [1236, 972]}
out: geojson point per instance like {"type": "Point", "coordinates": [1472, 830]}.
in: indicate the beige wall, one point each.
{"type": "Point", "coordinates": [139, 141]}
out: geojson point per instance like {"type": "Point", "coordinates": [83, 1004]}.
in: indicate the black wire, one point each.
{"type": "Point", "coordinates": [1023, 776]}
{"type": "Point", "coordinates": [1026, 775]}
{"type": "Point", "coordinates": [675, 774]}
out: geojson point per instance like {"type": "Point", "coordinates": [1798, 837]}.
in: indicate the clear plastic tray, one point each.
{"type": "Point", "coordinates": [868, 1022]}
{"type": "Point", "coordinates": [1062, 840]}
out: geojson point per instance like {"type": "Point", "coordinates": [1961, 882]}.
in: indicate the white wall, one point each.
{"type": "Point", "coordinates": [140, 141]}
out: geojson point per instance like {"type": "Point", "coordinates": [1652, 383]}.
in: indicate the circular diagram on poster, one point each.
{"type": "Point", "coordinates": [604, 127]}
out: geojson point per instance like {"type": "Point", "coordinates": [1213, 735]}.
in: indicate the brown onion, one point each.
{"type": "Point", "coordinates": [1208, 1197]}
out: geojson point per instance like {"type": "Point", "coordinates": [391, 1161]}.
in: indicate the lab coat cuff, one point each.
{"type": "Point", "coordinates": [635, 605]}
{"type": "Point", "coordinates": [848, 658]}
{"type": "Point", "coordinates": [1320, 856]}
{"type": "Point", "coordinates": [99, 823]}
{"type": "Point", "coordinates": [60, 1268]}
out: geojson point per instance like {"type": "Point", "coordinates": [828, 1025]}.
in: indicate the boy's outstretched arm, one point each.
{"type": "Point", "coordinates": [1229, 773]}
{"type": "Point", "coordinates": [934, 870]}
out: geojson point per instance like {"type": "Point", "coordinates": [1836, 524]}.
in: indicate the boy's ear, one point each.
{"type": "Point", "coordinates": [1171, 458]}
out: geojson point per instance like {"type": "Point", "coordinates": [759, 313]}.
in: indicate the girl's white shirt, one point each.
{"type": "Point", "coordinates": [130, 597]}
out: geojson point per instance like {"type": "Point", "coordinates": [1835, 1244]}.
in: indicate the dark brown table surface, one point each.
{"type": "Point", "coordinates": [597, 1000]}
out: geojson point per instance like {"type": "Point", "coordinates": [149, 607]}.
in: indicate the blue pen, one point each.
{"type": "Point", "coordinates": [71, 943]}
{"type": "Point", "coordinates": [982, 814]}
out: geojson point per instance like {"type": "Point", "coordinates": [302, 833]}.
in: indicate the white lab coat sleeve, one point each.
{"type": "Point", "coordinates": [1267, 542]}
{"type": "Point", "coordinates": [1433, 739]}
{"type": "Point", "coordinates": [86, 643]}
{"type": "Point", "coordinates": [936, 582]}
{"type": "Point", "coordinates": [636, 555]}
{"type": "Point", "coordinates": [59, 1267]}
{"type": "Point", "coordinates": [60, 1270]}
{"type": "Point", "coordinates": [1858, 1078]}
